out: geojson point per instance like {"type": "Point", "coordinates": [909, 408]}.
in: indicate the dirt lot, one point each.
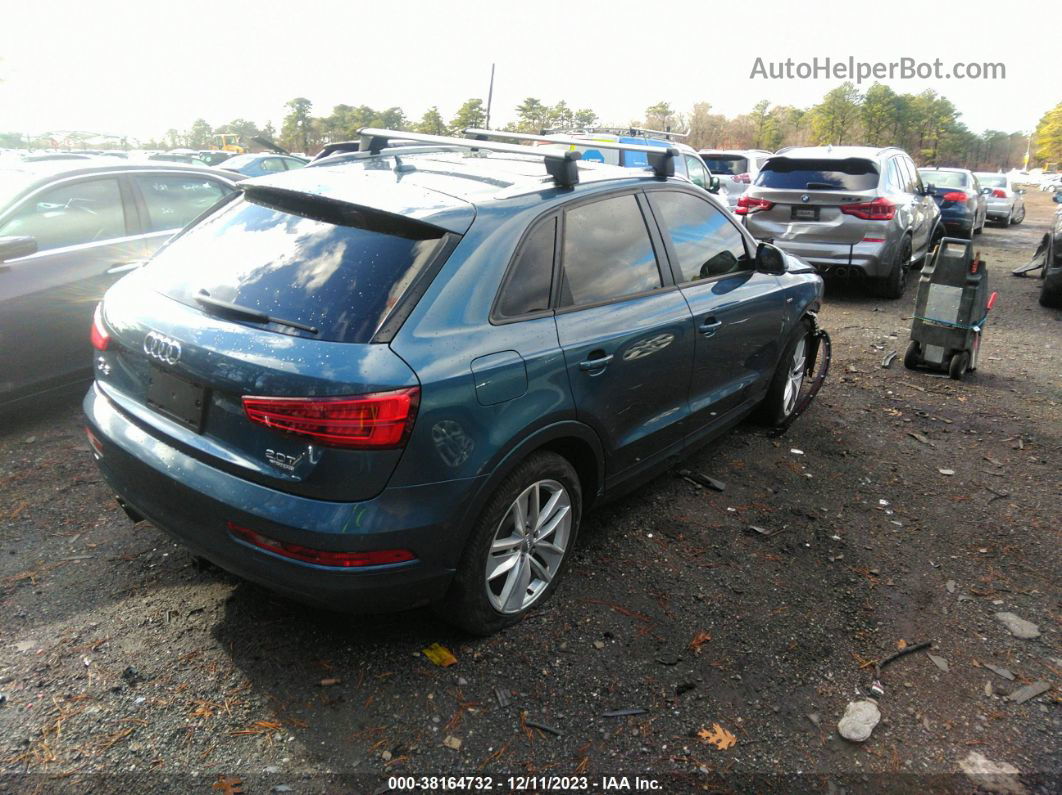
{"type": "Point", "coordinates": [125, 666]}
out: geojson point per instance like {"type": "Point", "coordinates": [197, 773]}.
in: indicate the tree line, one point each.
{"type": "Point", "coordinates": [926, 125]}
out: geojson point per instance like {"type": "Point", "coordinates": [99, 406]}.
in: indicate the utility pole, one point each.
{"type": "Point", "coordinates": [490, 97]}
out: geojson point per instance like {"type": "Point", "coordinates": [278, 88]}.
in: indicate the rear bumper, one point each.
{"type": "Point", "coordinates": [837, 259]}
{"type": "Point", "coordinates": [957, 220]}
{"type": "Point", "coordinates": [193, 501]}
{"type": "Point", "coordinates": [1000, 209]}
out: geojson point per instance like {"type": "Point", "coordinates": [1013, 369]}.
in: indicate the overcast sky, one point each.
{"type": "Point", "coordinates": [115, 67]}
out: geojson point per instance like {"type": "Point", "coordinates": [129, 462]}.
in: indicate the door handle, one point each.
{"type": "Point", "coordinates": [709, 326]}
{"type": "Point", "coordinates": [125, 266]}
{"type": "Point", "coordinates": [598, 361]}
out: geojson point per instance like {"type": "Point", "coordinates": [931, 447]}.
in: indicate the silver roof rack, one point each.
{"type": "Point", "coordinates": [662, 133]}
{"type": "Point", "coordinates": [560, 165]}
{"type": "Point", "coordinates": [661, 159]}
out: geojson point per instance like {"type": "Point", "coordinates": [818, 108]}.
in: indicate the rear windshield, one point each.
{"type": "Point", "coordinates": [993, 180]}
{"type": "Point", "coordinates": [340, 279]}
{"type": "Point", "coordinates": [850, 175]}
{"type": "Point", "coordinates": [943, 179]}
{"type": "Point", "coordinates": [726, 165]}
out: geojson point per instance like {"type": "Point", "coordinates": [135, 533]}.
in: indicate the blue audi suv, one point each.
{"type": "Point", "coordinates": [404, 377]}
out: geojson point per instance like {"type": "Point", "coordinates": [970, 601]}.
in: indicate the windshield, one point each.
{"type": "Point", "coordinates": [943, 179]}
{"type": "Point", "coordinates": [993, 180]}
{"type": "Point", "coordinates": [726, 165]}
{"type": "Point", "coordinates": [339, 279]}
{"type": "Point", "coordinates": [852, 174]}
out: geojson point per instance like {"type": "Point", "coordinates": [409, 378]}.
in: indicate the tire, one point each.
{"type": "Point", "coordinates": [780, 400]}
{"type": "Point", "coordinates": [483, 605]}
{"type": "Point", "coordinates": [979, 229]}
{"type": "Point", "coordinates": [1020, 218]}
{"type": "Point", "coordinates": [895, 284]}
{"type": "Point", "coordinates": [1008, 220]}
{"type": "Point", "coordinates": [913, 358]}
{"type": "Point", "coordinates": [1051, 289]}
{"type": "Point", "coordinates": [960, 363]}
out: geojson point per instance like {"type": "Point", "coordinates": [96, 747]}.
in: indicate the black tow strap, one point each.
{"type": "Point", "coordinates": [819, 340]}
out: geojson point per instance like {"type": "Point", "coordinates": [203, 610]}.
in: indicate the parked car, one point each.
{"type": "Point", "coordinates": [402, 377]}
{"type": "Point", "coordinates": [848, 210]}
{"type": "Point", "coordinates": [214, 157]}
{"type": "Point", "coordinates": [188, 158]}
{"type": "Point", "coordinates": [1051, 289]}
{"type": "Point", "coordinates": [40, 157]}
{"type": "Point", "coordinates": [1005, 202]}
{"type": "Point", "coordinates": [68, 230]}
{"type": "Point", "coordinates": [736, 168]}
{"type": "Point", "coordinates": [963, 207]}
{"type": "Point", "coordinates": [251, 165]}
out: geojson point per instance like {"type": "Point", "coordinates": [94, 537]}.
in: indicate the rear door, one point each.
{"type": "Point", "coordinates": [626, 331]}
{"type": "Point", "coordinates": [86, 237]}
{"type": "Point", "coordinates": [923, 208]}
{"type": "Point", "coordinates": [738, 312]}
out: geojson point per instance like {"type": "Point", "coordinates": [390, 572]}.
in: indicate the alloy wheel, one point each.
{"type": "Point", "coordinates": [795, 377]}
{"type": "Point", "coordinates": [529, 546]}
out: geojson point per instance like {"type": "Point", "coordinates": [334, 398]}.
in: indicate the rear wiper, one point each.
{"type": "Point", "coordinates": [203, 297]}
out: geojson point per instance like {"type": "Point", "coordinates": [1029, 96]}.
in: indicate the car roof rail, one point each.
{"type": "Point", "coordinates": [661, 159]}
{"type": "Point", "coordinates": [663, 133]}
{"type": "Point", "coordinates": [561, 166]}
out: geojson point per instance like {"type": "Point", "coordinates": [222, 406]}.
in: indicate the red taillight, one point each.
{"type": "Point", "coordinates": [955, 196]}
{"type": "Point", "coordinates": [879, 209]}
{"type": "Point", "coordinates": [999, 194]}
{"type": "Point", "coordinates": [741, 178]}
{"type": "Point", "coordinates": [99, 336]}
{"type": "Point", "coordinates": [322, 557]}
{"type": "Point", "coordinates": [376, 421]}
{"type": "Point", "coordinates": [94, 441]}
{"type": "Point", "coordinates": [747, 205]}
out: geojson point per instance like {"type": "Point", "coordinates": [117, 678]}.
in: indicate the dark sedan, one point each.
{"type": "Point", "coordinates": [68, 230]}
{"type": "Point", "coordinates": [259, 165]}
{"type": "Point", "coordinates": [958, 193]}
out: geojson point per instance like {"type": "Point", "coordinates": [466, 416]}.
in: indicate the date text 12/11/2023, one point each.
{"type": "Point", "coordinates": [524, 783]}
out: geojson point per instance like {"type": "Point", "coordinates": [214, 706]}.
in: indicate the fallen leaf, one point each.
{"type": "Point", "coordinates": [948, 472]}
{"type": "Point", "coordinates": [901, 644]}
{"type": "Point", "coordinates": [440, 655]}
{"type": "Point", "coordinates": [699, 640]}
{"type": "Point", "coordinates": [229, 785]}
{"type": "Point", "coordinates": [452, 742]}
{"type": "Point", "coordinates": [718, 736]}
{"type": "Point", "coordinates": [330, 681]}
{"type": "Point", "coordinates": [940, 662]}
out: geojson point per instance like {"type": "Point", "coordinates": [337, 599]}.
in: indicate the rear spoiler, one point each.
{"type": "Point", "coordinates": [340, 213]}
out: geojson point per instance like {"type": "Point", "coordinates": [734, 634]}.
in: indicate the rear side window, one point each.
{"type": "Point", "coordinates": [531, 278]}
{"type": "Point", "coordinates": [852, 174]}
{"type": "Point", "coordinates": [706, 242]}
{"type": "Point", "coordinates": [729, 166]}
{"type": "Point", "coordinates": [341, 278]}
{"type": "Point", "coordinates": [607, 252]}
{"type": "Point", "coordinates": [87, 211]}
{"type": "Point", "coordinates": [173, 201]}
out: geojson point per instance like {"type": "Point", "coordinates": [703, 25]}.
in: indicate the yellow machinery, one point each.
{"type": "Point", "coordinates": [227, 142]}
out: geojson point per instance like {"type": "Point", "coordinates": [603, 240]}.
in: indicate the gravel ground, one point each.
{"type": "Point", "coordinates": [127, 666]}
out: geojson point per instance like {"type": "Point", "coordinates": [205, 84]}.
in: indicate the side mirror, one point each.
{"type": "Point", "coordinates": [1056, 197]}
{"type": "Point", "coordinates": [929, 189]}
{"type": "Point", "coordinates": [1021, 191]}
{"type": "Point", "coordinates": [713, 184]}
{"type": "Point", "coordinates": [769, 259]}
{"type": "Point", "coordinates": [15, 247]}
{"type": "Point", "coordinates": [986, 191]}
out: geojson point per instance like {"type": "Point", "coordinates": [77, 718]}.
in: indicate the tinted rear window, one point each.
{"type": "Point", "coordinates": [851, 174]}
{"type": "Point", "coordinates": [721, 165]}
{"type": "Point", "coordinates": [943, 179]}
{"type": "Point", "coordinates": [340, 279]}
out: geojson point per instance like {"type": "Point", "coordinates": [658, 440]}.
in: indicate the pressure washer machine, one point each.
{"type": "Point", "coordinates": [950, 310]}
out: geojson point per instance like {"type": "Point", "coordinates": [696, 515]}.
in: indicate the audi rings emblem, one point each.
{"type": "Point", "coordinates": [162, 348]}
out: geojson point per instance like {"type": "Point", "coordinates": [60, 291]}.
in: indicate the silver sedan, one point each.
{"type": "Point", "coordinates": [1005, 201]}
